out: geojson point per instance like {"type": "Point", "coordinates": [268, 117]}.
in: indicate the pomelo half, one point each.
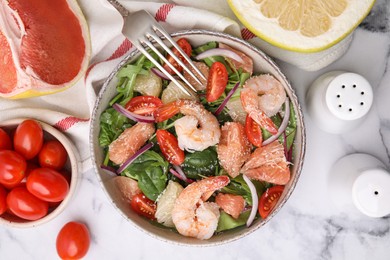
{"type": "Point", "coordinates": [44, 47]}
{"type": "Point", "coordinates": [301, 25]}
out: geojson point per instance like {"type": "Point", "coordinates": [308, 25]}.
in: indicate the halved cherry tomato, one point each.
{"type": "Point", "coordinates": [166, 111]}
{"type": "Point", "coordinates": [143, 105]}
{"type": "Point", "coordinates": [217, 81]}
{"type": "Point", "coordinates": [25, 205]}
{"type": "Point", "coordinates": [269, 199]}
{"type": "Point", "coordinates": [73, 241]}
{"type": "Point", "coordinates": [28, 139]}
{"type": "Point", "coordinates": [253, 132]}
{"type": "Point", "coordinates": [53, 155]}
{"type": "Point", "coordinates": [3, 200]}
{"type": "Point", "coordinates": [170, 147]}
{"type": "Point", "coordinates": [47, 184]}
{"type": "Point", "coordinates": [5, 140]}
{"type": "Point", "coordinates": [186, 47]}
{"type": "Point", "coordinates": [12, 168]}
{"type": "Point", "coordinates": [143, 206]}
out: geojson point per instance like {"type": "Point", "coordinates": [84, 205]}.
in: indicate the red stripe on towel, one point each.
{"type": "Point", "coordinates": [246, 34]}
{"type": "Point", "coordinates": [68, 122]}
{"type": "Point", "coordinates": [163, 11]}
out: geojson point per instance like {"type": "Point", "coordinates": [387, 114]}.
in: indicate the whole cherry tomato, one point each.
{"type": "Point", "coordinates": [53, 155]}
{"type": "Point", "coordinates": [25, 205]}
{"type": "Point", "coordinates": [217, 81]}
{"type": "Point", "coordinates": [47, 184]}
{"type": "Point", "coordinates": [5, 140]}
{"type": "Point", "coordinates": [12, 168]}
{"type": "Point", "coordinates": [3, 200]}
{"type": "Point", "coordinates": [28, 139]}
{"type": "Point", "coordinates": [73, 241]}
{"type": "Point", "coordinates": [143, 206]}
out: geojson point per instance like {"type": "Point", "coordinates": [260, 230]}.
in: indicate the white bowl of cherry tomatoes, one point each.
{"type": "Point", "coordinates": [38, 172]}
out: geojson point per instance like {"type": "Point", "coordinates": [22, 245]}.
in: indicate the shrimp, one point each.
{"type": "Point", "coordinates": [268, 163]}
{"type": "Point", "coordinates": [129, 142]}
{"type": "Point", "coordinates": [262, 97]}
{"type": "Point", "coordinates": [205, 71]}
{"type": "Point", "coordinates": [191, 215]}
{"type": "Point", "coordinates": [233, 148]}
{"type": "Point", "coordinates": [197, 130]}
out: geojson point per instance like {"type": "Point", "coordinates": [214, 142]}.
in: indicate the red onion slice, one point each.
{"type": "Point", "coordinates": [229, 95]}
{"type": "Point", "coordinates": [283, 126]}
{"type": "Point", "coordinates": [133, 116]}
{"type": "Point", "coordinates": [109, 170]}
{"type": "Point", "coordinates": [159, 73]}
{"type": "Point", "coordinates": [255, 200]}
{"type": "Point", "coordinates": [220, 52]}
{"type": "Point", "coordinates": [178, 172]}
{"type": "Point", "coordinates": [135, 156]}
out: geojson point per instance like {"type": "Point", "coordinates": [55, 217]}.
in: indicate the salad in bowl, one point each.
{"type": "Point", "coordinates": [205, 167]}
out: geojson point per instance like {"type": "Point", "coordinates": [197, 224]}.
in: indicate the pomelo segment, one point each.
{"type": "Point", "coordinates": [44, 47]}
{"type": "Point", "coordinates": [301, 25]}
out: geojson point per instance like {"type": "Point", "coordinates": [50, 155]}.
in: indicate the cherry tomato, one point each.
{"type": "Point", "coordinates": [253, 132]}
{"type": "Point", "coordinates": [30, 167]}
{"type": "Point", "coordinates": [217, 81]}
{"type": "Point", "coordinates": [12, 168]}
{"type": "Point", "coordinates": [143, 206]}
{"type": "Point", "coordinates": [167, 111]}
{"type": "Point", "coordinates": [269, 199]}
{"type": "Point", "coordinates": [66, 174]}
{"type": "Point", "coordinates": [169, 147]}
{"type": "Point", "coordinates": [53, 155]}
{"type": "Point", "coordinates": [186, 47]}
{"type": "Point", "coordinates": [143, 105]}
{"type": "Point", "coordinates": [3, 200]}
{"type": "Point", "coordinates": [28, 139]}
{"type": "Point", "coordinates": [5, 140]}
{"type": "Point", "coordinates": [73, 241]}
{"type": "Point", "coordinates": [47, 184]}
{"type": "Point", "coordinates": [25, 205]}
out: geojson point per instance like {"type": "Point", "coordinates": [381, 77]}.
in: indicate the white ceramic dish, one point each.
{"type": "Point", "coordinates": [71, 165]}
{"type": "Point", "coordinates": [262, 64]}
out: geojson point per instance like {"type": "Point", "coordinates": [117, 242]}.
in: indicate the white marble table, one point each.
{"type": "Point", "coordinates": [308, 226]}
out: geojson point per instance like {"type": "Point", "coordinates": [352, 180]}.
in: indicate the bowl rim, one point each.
{"type": "Point", "coordinates": [300, 122]}
{"type": "Point", "coordinates": [74, 168]}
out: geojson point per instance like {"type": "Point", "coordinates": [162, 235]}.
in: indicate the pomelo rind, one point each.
{"type": "Point", "coordinates": [322, 45]}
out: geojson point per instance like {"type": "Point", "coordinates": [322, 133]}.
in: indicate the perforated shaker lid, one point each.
{"type": "Point", "coordinates": [349, 96]}
{"type": "Point", "coordinates": [371, 192]}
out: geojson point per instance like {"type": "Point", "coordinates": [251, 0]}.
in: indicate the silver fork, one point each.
{"type": "Point", "coordinates": [143, 31]}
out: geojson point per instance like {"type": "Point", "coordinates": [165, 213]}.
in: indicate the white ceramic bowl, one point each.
{"type": "Point", "coordinates": [72, 164]}
{"type": "Point", "coordinates": [263, 64]}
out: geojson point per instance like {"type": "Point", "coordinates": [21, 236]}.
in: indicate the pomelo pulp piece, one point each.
{"type": "Point", "coordinates": [44, 47]}
{"type": "Point", "coordinates": [301, 25]}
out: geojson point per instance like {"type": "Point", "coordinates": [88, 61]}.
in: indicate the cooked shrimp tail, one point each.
{"type": "Point", "coordinates": [191, 215]}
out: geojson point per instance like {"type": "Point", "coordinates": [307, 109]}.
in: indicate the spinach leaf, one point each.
{"type": "Point", "coordinates": [150, 169]}
{"type": "Point", "coordinates": [198, 164]}
{"type": "Point", "coordinates": [238, 186]}
{"type": "Point", "coordinates": [112, 124]}
{"type": "Point", "coordinates": [227, 222]}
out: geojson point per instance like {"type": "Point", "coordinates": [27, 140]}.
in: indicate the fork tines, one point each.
{"type": "Point", "coordinates": [149, 36]}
